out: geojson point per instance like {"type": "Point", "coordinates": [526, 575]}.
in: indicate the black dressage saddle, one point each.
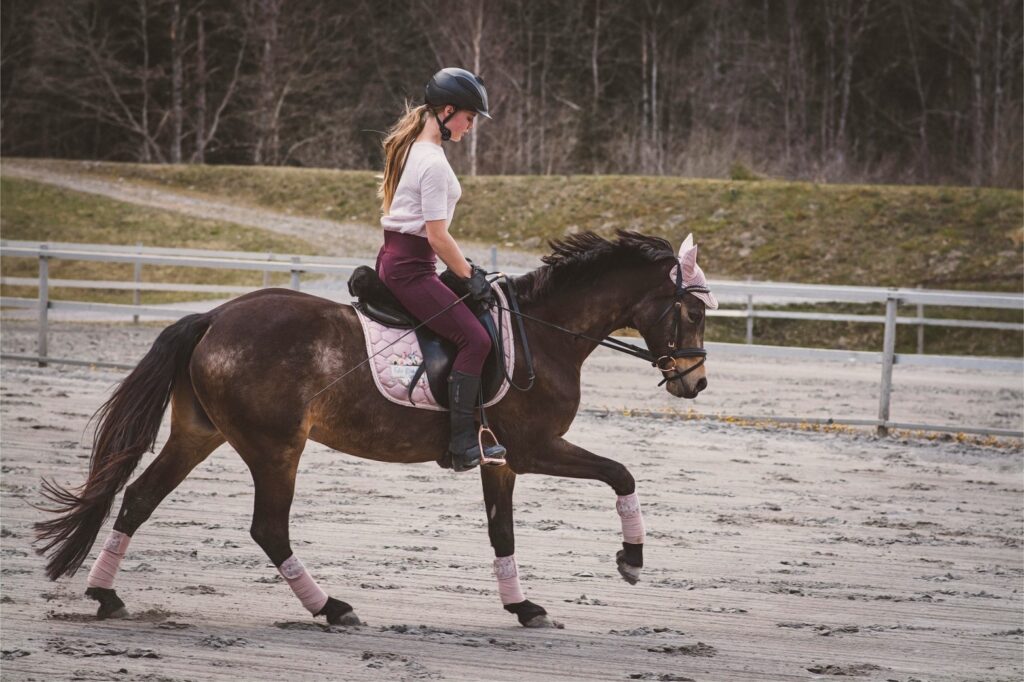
{"type": "Point", "coordinates": [377, 302]}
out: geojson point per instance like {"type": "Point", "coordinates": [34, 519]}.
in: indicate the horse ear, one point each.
{"type": "Point", "coordinates": [687, 245]}
{"type": "Point", "coordinates": [689, 261]}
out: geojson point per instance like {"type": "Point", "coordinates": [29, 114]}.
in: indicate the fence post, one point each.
{"type": "Point", "coordinates": [750, 318]}
{"type": "Point", "coordinates": [888, 359]}
{"type": "Point", "coordinates": [137, 294]}
{"type": "Point", "coordinates": [44, 303]}
{"type": "Point", "coordinates": [295, 273]}
{"type": "Point", "coordinates": [494, 259]}
{"type": "Point", "coordinates": [266, 273]}
{"type": "Point", "coordinates": [920, 327]}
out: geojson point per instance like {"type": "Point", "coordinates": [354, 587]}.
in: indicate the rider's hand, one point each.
{"type": "Point", "coordinates": [479, 287]}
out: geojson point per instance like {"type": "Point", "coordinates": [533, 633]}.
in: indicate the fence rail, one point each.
{"type": "Point", "coordinates": [298, 265]}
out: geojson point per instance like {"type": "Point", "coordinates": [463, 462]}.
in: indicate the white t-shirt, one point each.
{"type": "Point", "coordinates": [427, 190]}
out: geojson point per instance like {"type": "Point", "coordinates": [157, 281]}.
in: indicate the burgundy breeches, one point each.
{"type": "Point", "coordinates": [407, 266]}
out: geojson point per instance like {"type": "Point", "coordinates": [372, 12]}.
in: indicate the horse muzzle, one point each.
{"type": "Point", "coordinates": [683, 380]}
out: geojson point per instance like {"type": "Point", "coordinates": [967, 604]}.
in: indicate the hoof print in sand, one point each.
{"type": "Point", "coordinates": [644, 631]}
{"type": "Point", "coordinates": [855, 670]}
{"type": "Point", "coordinates": [586, 601]}
{"type": "Point", "coordinates": [305, 626]}
{"type": "Point", "coordinates": [385, 660]}
{"type": "Point", "coordinates": [198, 589]}
{"type": "Point", "coordinates": [82, 649]}
{"type": "Point", "coordinates": [218, 642]}
{"type": "Point", "coordinates": [11, 654]}
{"type": "Point", "coordinates": [698, 649]}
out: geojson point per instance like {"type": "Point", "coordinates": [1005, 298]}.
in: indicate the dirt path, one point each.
{"type": "Point", "coordinates": [772, 554]}
{"type": "Point", "coordinates": [354, 240]}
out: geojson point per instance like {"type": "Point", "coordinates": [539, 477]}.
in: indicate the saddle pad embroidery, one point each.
{"type": "Point", "coordinates": [395, 367]}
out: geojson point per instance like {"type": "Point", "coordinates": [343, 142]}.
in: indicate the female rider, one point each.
{"type": "Point", "coordinates": [418, 195]}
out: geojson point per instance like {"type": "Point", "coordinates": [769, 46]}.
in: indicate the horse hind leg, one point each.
{"type": "Point", "coordinates": [274, 480]}
{"type": "Point", "coordinates": [191, 441]}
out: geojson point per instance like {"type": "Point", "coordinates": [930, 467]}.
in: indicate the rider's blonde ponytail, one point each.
{"type": "Point", "coordinates": [396, 148]}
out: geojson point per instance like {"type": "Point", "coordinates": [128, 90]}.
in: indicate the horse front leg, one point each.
{"type": "Point", "coordinates": [562, 458]}
{"type": "Point", "coordinates": [499, 483]}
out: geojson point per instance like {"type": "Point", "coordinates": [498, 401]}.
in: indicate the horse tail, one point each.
{"type": "Point", "coordinates": [127, 429]}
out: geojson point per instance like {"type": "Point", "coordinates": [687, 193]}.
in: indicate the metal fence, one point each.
{"type": "Point", "coordinates": [744, 293]}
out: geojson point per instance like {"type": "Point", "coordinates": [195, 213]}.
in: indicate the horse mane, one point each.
{"type": "Point", "coordinates": [582, 257]}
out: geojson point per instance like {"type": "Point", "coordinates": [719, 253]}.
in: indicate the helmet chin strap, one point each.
{"type": "Point", "coordinates": [446, 133]}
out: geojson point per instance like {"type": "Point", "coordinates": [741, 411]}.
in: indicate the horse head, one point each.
{"type": "Point", "coordinates": [670, 317]}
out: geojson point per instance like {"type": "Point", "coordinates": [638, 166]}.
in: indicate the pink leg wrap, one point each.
{"type": "Point", "coordinates": [632, 518]}
{"type": "Point", "coordinates": [302, 584]}
{"type": "Point", "coordinates": [507, 573]}
{"type": "Point", "coordinates": [105, 569]}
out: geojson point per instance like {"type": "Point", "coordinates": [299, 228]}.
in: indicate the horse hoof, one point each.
{"type": "Point", "coordinates": [347, 619]}
{"type": "Point", "coordinates": [338, 613]}
{"type": "Point", "coordinates": [531, 615]}
{"type": "Point", "coordinates": [543, 621]}
{"type": "Point", "coordinates": [631, 574]}
{"type": "Point", "coordinates": [111, 605]}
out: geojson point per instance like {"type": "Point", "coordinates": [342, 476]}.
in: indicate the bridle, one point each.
{"type": "Point", "coordinates": [665, 363]}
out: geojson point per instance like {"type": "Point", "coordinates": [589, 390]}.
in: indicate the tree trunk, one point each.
{"type": "Point", "coordinates": [263, 152]}
{"type": "Point", "coordinates": [997, 96]}
{"type": "Point", "coordinates": [645, 98]}
{"type": "Point", "coordinates": [478, 31]}
{"type": "Point", "coordinates": [923, 170]}
{"type": "Point", "coordinates": [144, 77]}
{"type": "Point", "coordinates": [545, 167]}
{"type": "Point", "coordinates": [978, 107]}
{"type": "Point", "coordinates": [199, 156]}
{"type": "Point", "coordinates": [176, 82]}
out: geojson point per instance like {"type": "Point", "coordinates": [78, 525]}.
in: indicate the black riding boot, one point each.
{"type": "Point", "coordinates": [463, 390]}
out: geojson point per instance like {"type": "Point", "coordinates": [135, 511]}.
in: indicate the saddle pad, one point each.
{"type": "Point", "coordinates": [395, 357]}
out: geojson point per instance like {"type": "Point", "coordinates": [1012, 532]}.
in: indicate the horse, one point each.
{"type": "Point", "coordinates": [253, 371]}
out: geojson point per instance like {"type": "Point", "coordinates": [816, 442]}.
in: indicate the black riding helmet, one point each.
{"type": "Point", "coordinates": [460, 88]}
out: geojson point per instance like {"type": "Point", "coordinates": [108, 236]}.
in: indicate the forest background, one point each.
{"type": "Point", "coordinates": [886, 91]}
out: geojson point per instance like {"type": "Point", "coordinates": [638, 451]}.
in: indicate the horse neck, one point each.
{"type": "Point", "coordinates": [596, 310]}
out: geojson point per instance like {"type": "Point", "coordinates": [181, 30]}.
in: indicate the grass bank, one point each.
{"type": "Point", "coordinates": [936, 237]}
{"type": "Point", "coordinates": [34, 211]}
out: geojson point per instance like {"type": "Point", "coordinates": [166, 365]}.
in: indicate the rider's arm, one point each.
{"type": "Point", "coordinates": [446, 249]}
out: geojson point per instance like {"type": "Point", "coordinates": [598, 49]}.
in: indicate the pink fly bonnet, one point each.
{"type": "Point", "coordinates": [693, 276]}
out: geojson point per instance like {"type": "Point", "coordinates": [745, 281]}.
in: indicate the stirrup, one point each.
{"type": "Point", "coordinates": [493, 455]}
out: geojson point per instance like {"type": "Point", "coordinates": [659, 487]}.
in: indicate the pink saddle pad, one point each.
{"type": "Point", "coordinates": [393, 369]}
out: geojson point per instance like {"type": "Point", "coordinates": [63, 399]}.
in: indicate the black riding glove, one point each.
{"type": "Point", "coordinates": [479, 287]}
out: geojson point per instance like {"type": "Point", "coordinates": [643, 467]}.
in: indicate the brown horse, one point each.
{"type": "Point", "coordinates": [245, 372]}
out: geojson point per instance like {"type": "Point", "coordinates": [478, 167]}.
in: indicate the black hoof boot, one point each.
{"type": "Point", "coordinates": [338, 613]}
{"type": "Point", "coordinates": [630, 559]}
{"type": "Point", "coordinates": [532, 616]}
{"type": "Point", "coordinates": [111, 605]}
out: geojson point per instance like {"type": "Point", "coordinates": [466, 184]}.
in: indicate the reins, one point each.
{"type": "Point", "coordinates": [665, 363]}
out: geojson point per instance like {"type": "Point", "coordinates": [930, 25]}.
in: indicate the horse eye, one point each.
{"type": "Point", "coordinates": [695, 315]}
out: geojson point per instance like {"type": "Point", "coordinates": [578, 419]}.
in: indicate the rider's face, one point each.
{"type": "Point", "coordinates": [461, 123]}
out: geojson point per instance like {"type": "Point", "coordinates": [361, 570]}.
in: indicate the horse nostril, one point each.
{"type": "Point", "coordinates": [702, 384]}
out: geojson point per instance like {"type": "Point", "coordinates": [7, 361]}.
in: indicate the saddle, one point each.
{"type": "Point", "coordinates": [404, 366]}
